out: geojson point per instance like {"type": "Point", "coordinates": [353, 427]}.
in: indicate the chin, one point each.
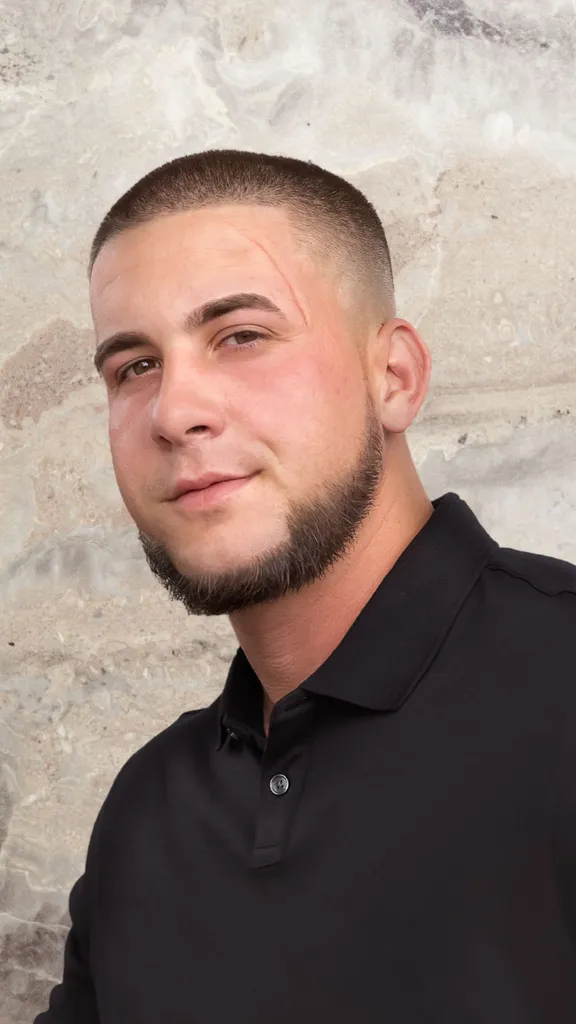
{"type": "Point", "coordinates": [215, 556]}
{"type": "Point", "coordinates": [233, 543]}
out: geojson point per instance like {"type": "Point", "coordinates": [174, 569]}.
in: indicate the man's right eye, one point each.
{"type": "Point", "coordinates": [123, 373]}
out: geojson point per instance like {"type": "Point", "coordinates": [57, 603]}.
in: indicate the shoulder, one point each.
{"type": "Point", "coordinates": [530, 602]}
{"type": "Point", "coordinates": [192, 729]}
{"type": "Point", "coordinates": [142, 780]}
{"type": "Point", "coordinates": [540, 574]}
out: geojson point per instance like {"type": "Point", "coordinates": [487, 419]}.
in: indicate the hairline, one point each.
{"type": "Point", "coordinates": [309, 238]}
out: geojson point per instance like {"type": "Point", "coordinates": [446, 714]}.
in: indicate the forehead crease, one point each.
{"type": "Point", "coordinates": [138, 248]}
{"type": "Point", "coordinates": [241, 242]}
{"type": "Point", "coordinates": [284, 278]}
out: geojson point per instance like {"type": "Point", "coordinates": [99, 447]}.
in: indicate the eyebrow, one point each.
{"type": "Point", "coordinates": [125, 341]}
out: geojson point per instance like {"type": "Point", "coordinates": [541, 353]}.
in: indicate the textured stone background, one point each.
{"type": "Point", "coordinates": [459, 120]}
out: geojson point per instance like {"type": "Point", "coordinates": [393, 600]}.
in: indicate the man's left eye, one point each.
{"type": "Point", "coordinates": [245, 339]}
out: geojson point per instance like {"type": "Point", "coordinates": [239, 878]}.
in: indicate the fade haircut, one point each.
{"type": "Point", "coordinates": [334, 219]}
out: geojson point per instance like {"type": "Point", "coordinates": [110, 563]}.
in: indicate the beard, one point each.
{"type": "Point", "coordinates": [320, 532]}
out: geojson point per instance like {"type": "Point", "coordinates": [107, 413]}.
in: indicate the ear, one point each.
{"type": "Point", "coordinates": [400, 368]}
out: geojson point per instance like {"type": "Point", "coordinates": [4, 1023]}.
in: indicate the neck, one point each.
{"type": "Point", "coordinates": [285, 641]}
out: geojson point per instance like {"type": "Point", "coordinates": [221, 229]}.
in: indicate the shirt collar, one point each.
{"type": "Point", "coordinates": [390, 645]}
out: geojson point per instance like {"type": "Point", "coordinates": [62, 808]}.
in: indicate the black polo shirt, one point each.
{"type": "Point", "coordinates": [402, 847]}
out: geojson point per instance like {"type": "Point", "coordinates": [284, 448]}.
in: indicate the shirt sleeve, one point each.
{"type": "Point", "coordinates": [74, 999]}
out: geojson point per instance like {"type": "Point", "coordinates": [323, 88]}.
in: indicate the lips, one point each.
{"type": "Point", "coordinates": [210, 495]}
{"type": "Point", "coordinates": [201, 483]}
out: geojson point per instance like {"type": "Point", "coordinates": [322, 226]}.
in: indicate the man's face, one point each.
{"type": "Point", "coordinates": [273, 391]}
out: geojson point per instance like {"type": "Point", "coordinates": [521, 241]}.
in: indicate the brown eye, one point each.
{"type": "Point", "coordinates": [243, 339]}
{"type": "Point", "coordinates": [132, 366]}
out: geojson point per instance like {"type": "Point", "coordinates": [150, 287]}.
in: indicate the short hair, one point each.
{"type": "Point", "coordinates": [336, 217]}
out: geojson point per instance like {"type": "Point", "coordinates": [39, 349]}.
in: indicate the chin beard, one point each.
{"type": "Point", "coordinates": [320, 532]}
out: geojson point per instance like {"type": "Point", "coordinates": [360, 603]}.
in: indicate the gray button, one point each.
{"type": "Point", "coordinates": [279, 784]}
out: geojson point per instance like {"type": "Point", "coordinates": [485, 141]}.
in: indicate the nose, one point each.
{"type": "Point", "coordinates": [188, 404]}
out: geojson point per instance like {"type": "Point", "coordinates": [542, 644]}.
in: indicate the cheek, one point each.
{"type": "Point", "coordinates": [118, 433]}
{"type": "Point", "coordinates": [124, 433]}
{"type": "Point", "coordinates": [331, 389]}
{"type": "Point", "coordinates": [315, 406]}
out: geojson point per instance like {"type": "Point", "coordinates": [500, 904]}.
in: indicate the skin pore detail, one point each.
{"type": "Point", "coordinates": [314, 413]}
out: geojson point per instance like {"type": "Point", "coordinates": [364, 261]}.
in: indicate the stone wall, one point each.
{"type": "Point", "coordinates": [458, 118]}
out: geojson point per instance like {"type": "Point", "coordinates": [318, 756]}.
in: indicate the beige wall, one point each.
{"type": "Point", "coordinates": [460, 122]}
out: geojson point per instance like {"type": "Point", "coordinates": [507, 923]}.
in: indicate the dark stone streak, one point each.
{"type": "Point", "coordinates": [453, 18]}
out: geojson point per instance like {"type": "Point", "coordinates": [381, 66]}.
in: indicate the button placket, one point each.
{"type": "Point", "coordinates": [282, 778]}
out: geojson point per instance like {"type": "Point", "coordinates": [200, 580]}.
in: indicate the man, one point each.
{"type": "Point", "coordinates": [376, 820]}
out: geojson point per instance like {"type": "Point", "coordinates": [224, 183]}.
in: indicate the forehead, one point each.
{"type": "Point", "coordinates": [203, 252]}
